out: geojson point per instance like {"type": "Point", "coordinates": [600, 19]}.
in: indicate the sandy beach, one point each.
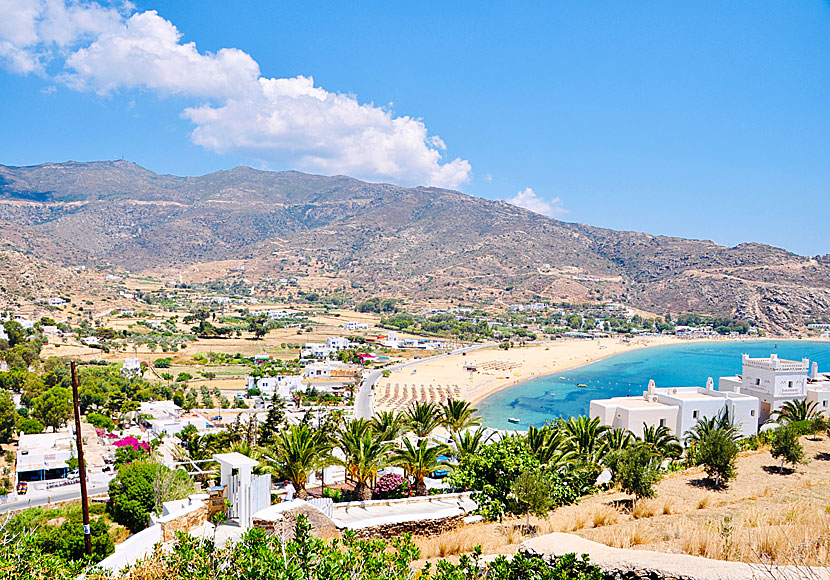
{"type": "Point", "coordinates": [495, 369]}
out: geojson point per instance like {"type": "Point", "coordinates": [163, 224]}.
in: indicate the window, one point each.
{"type": "Point", "coordinates": [662, 422]}
{"type": "Point", "coordinates": [695, 414]}
{"type": "Point", "coordinates": [824, 403]}
{"type": "Point", "coordinates": [752, 413]}
{"type": "Point", "coordinates": [757, 381]}
{"type": "Point", "coordinates": [790, 384]}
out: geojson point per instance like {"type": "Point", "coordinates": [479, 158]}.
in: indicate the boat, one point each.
{"type": "Point", "coordinates": [582, 385]}
{"type": "Point", "coordinates": [513, 420]}
{"type": "Point", "coordinates": [562, 378]}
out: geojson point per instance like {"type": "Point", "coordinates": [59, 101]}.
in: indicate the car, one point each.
{"type": "Point", "coordinates": [74, 474]}
{"type": "Point", "coordinates": [216, 418]}
{"type": "Point", "coordinates": [22, 488]}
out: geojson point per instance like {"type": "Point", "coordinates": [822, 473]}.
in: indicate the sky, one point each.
{"type": "Point", "coordinates": [706, 120]}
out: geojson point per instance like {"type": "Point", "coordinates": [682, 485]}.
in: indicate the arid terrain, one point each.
{"type": "Point", "coordinates": [763, 516]}
{"type": "Point", "coordinates": [257, 228]}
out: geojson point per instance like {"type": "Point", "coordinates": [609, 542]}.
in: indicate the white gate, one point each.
{"type": "Point", "coordinates": [324, 504]}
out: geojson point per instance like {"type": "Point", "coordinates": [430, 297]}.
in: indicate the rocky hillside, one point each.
{"type": "Point", "coordinates": [378, 238]}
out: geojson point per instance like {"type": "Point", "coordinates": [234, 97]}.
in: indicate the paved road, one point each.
{"type": "Point", "coordinates": [364, 404]}
{"type": "Point", "coordinates": [54, 496]}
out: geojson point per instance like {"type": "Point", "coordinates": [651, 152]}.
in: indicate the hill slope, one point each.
{"type": "Point", "coordinates": [379, 238]}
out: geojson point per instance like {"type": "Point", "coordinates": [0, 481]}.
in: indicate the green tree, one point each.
{"type": "Point", "coordinates": [133, 495]}
{"type": "Point", "coordinates": [273, 422]}
{"type": "Point", "coordinates": [53, 407]}
{"type": "Point", "coordinates": [15, 331]}
{"type": "Point", "coordinates": [716, 452]}
{"type": "Point", "coordinates": [786, 446]}
{"type": "Point", "coordinates": [638, 470]}
{"type": "Point", "coordinates": [8, 417]}
{"type": "Point", "coordinates": [534, 492]}
{"type": "Point", "coordinates": [30, 426]}
{"type": "Point", "coordinates": [419, 460]}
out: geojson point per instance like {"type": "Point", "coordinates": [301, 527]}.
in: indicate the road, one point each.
{"type": "Point", "coordinates": [53, 496]}
{"type": "Point", "coordinates": [364, 403]}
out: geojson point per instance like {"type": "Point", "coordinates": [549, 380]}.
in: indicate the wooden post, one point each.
{"type": "Point", "coordinates": [81, 463]}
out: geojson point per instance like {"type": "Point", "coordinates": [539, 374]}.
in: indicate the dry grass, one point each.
{"type": "Point", "coordinates": [645, 508]}
{"type": "Point", "coordinates": [605, 515]}
{"type": "Point", "coordinates": [761, 517]}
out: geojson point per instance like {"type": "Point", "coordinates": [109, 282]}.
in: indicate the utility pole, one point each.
{"type": "Point", "coordinates": [81, 463]}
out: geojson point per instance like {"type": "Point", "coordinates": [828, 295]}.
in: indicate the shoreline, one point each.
{"type": "Point", "coordinates": [494, 370]}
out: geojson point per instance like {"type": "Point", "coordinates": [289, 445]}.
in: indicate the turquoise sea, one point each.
{"type": "Point", "coordinates": [678, 365]}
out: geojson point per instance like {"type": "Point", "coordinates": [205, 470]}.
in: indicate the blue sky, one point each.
{"type": "Point", "coordinates": [705, 120]}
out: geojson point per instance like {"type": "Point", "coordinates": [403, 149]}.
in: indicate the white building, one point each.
{"type": "Point", "coordinates": [773, 380]}
{"type": "Point", "coordinates": [331, 369]}
{"type": "Point", "coordinates": [678, 408]}
{"type": "Point", "coordinates": [168, 418]}
{"type": "Point", "coordinates": [333, 345]}
{"type": "Point", "coordinates": [351, 325]}
{"type": "Point", "coordinates": [281, 386]}
{"type": "Point", "coordinates": [131, 368]}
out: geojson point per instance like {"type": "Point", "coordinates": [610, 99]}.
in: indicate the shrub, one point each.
{"type": "Point", "coordinates": [716, 452]}
{"type": "Point", "coordinates": [391, 486]}
{"type": "Point", "coordinates": [786, 446]}
{"type": "Point", "coordinates": [638, 471]}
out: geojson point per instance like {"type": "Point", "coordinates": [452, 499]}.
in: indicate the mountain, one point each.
{"type": "Point", "coordinates": [419, 242]}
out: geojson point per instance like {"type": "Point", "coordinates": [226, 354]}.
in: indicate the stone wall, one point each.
{"type": "Point", "coordinates": [416, 528]}
{"type": "Point", "coordinates": [184, 523]}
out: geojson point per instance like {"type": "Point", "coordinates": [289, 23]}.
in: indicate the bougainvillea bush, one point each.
{"type": "Point", "coordinates": [130, 449]}
{"type": "Point", "coordinates": [391, 486]}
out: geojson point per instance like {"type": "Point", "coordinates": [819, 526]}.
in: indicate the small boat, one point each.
{"type": "Point", "coordinates": [513, 420]}
{"type": "Point", "coordinates": [562, 378]}
{"type": "Point", "coordinates": [582, 385]}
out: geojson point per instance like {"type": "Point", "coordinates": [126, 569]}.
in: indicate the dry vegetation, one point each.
{"type": "Point", "coordinates": [762, 517]}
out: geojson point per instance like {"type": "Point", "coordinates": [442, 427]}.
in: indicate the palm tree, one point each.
{"type": "Point", "coordinates": [548, 445]}
{"type": "Point", "coordinates": [296, 452]}
{"type": "Point", "coordinates": [585, 437]}
{"type": "Point", "coordinates": [388, 425]}
{"type": "Point", "coordinates": [365, 453]}
{"type": "Point", "coordinates": [661, 441]}
{"type": "Point", "coordinates": [356, 428]}
{"type": "Point", "coordinates": [419, 460]}
{"type": "Point", "coordinates": [795, 411]}
{"type": "Point", "coordinates": [457, 415]}
{"type": "Point", "coordinates": [707, 425]}
{"type": "Point", "coordinates": [468, 442]}
{"type": "Point", "coordinates": [422, 419]}
{"type": "Point", "coordinates": [618, 439]}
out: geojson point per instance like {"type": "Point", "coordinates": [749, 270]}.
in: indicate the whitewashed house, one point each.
{"type": "Point", "coordinates": [678, 408]}
{"type": "Point", "coordinates": [281, 386]}
{"type": "Point", "coordinates": [131, 368]}
{"type": "Point", "coordinates": [351, 325]}
{"type": "Point", "coordinates": [773, 380]}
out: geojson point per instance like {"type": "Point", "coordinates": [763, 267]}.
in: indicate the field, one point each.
{"type": "Point", "coordinates": [763, 516]}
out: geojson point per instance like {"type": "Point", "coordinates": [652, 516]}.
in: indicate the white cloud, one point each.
{"type": "Point", "coordinates": [285, 121]}
{"type": "Point", "coordinates": [528, 199]}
